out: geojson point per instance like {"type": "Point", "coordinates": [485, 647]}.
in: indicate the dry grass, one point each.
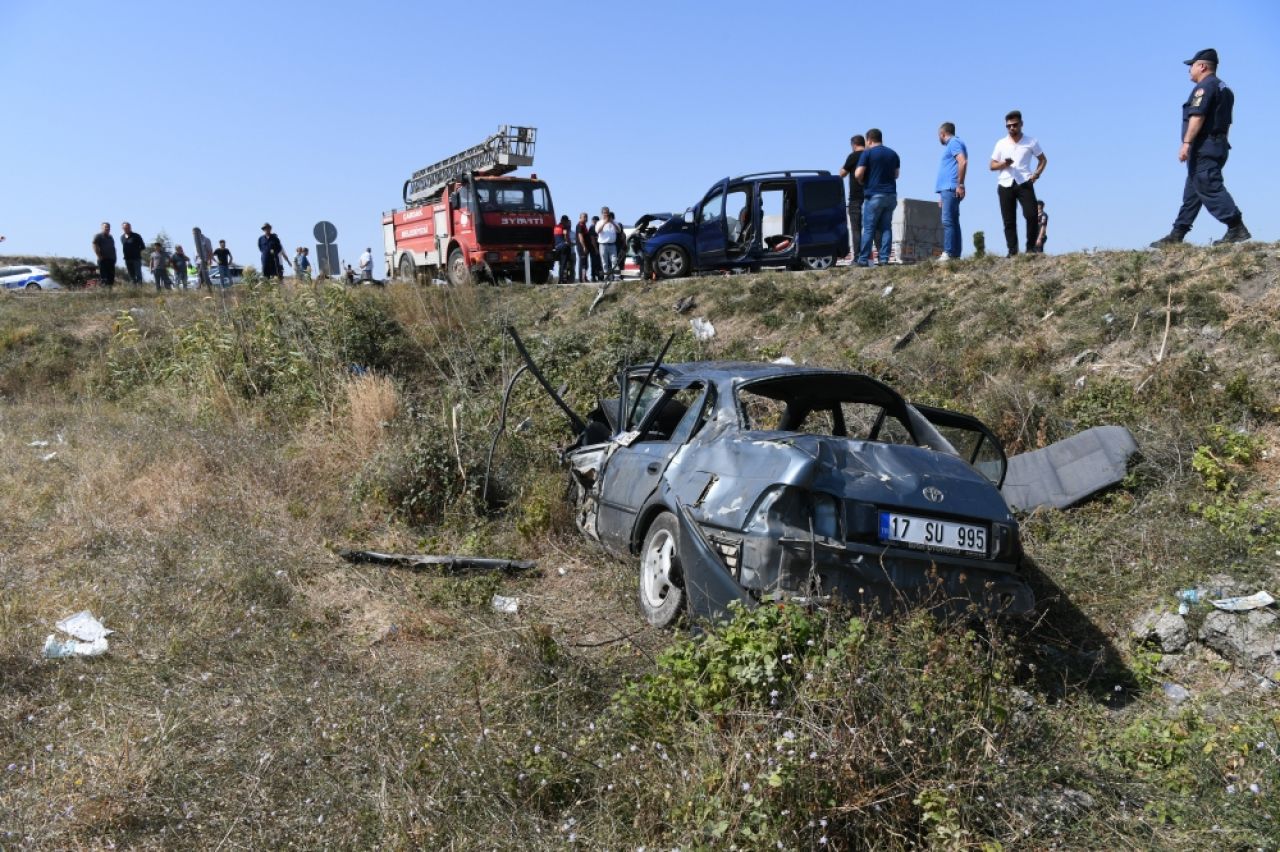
{"type": "Point", "coordinates": [261, 693]}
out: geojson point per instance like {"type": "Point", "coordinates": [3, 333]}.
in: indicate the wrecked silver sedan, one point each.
{"type": "Point", "coordinates": [741, 481]}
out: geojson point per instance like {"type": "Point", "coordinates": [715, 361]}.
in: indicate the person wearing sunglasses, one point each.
{"type": "Point", "coordinates": [1017, 182]}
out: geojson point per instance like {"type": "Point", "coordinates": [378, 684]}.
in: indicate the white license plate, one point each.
{"type": "Point", "coordinates": [931, 533]}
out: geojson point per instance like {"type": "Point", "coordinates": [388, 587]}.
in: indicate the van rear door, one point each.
{"type": "Point", "coordinates": [821, 226]}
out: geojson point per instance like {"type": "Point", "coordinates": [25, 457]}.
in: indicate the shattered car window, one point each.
{"type": "Point", "coordinates": [761, 412]}
{"type": "Point", "coordinates": [649, 394]}
{"type": "Point", "coordinates": [679, 417]}
{"type": "Point", "coordinates": [853, 409]}
{"type": "Point", "coordinates": [862, 418]}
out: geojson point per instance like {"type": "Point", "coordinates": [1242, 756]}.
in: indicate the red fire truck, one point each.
{"type": "Point", "coordinates": [469, 217]}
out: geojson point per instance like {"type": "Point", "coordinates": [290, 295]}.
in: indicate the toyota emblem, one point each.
{"type": "Point", "coordinates": [933, 495]}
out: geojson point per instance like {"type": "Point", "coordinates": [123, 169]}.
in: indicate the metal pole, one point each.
{"type": "Point", "coordinates": [528, 279]}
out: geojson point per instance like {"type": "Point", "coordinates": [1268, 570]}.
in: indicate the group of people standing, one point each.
{"type": "Point", "coordinates": [208, 264]}
{"type": "Point", "coordinates": [600, 245]}
{"type": "Point", "coordinates": [873, 170]}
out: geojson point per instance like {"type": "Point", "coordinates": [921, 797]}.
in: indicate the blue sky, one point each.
{"type": "Point", "coordinates": [225, 115]}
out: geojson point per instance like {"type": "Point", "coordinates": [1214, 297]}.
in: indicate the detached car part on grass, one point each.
{"type": "Point", "coordinates": [737, 481]}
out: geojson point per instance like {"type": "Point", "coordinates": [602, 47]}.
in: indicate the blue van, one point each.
{"type": "Point", "coordinates": [791, 219]}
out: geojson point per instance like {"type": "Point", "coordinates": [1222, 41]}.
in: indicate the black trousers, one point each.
{"type": "Point", "coordinates": [1204, 188]}
{"type": "Point", "coordinates": [134, 265]}
{"type": "Point", "coordinates": [855, 226]}
{"type": "Point", "coordinates": [1011, 197]}
{"type": "Point", "coordinates": [107, 272]}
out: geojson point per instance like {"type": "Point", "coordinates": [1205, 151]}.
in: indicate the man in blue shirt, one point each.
{"type": "Point", "coordinates": [1206, 119]}
{"type": "Point", "coordinates": [950, 188]}
{"type": "Point", "coordinates": [877, 171]}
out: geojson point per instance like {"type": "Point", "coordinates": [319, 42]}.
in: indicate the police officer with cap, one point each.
{"type": "Point", "coordinates": [1206, 119]}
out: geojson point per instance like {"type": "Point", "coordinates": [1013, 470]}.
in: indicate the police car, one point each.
{"type": "Point", "coordinates": [26, 278]}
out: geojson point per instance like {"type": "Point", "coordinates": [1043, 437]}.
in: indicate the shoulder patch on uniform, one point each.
{"type": "Point", "coordinates": [1199, 93]}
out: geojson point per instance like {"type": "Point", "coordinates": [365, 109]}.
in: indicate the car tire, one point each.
{"type": "Point", "coordinates": [31, 285]}
{"type": "Point", "coordinates": [459, 274]}
{"type": "Point", "coordinates": [662, 597]}
{"type": "Point", "coordinates": [407, 272]}
{"type": "Point", "coordinates": [671, 262]}
{"type": "Point", "coordinates": [825, 262]}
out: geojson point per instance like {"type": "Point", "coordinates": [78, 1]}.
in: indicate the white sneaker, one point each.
{"type": "Point", "coordinates": [944, 257]}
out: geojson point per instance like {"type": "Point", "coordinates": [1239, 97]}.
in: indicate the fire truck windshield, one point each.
{"type": "Point", "coordinates": [512, 197]}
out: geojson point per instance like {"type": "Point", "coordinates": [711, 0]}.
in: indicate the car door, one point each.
{"type": "Point", "coordinates": [710, 231]}
{"type": "Point", "coordinates": [821, 224]}
{"type": "Point", "coordinates": [633, 471]}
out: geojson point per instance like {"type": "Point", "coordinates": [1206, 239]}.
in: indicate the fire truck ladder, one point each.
{"type": "Point", "coordinates": [504, 151]}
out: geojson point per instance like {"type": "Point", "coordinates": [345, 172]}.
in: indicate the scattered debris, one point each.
{"type": "Point", "coordinates": [1257, 600]}
{"type": "Point", "coordinates": [604, 288]}
{"type": "Point", "coordinates": [702, 328]}
{"type": "Point", "coordinates": [887, 290]}
{"type": "Point", "coordinates": [448, 564]}
{"type": "Point", "coordinates": [38, 444]}
{"type": "Point", "coordinates": [685, 304]}
{"type": "Point", "coordinates": [88, 637]}
{"type": "Point", "coordinates": [784, 361]}
{"type": "Point", "coordinates": [505, 605]}
{"type": "Point", "coordinates": [1175, 692]}
{"type": "Point", "coordinates": [915, 329]}
{"type": "Point", "coordinates": [1087, 356]}
{"type": "Point", "coordinates": [49, 456]}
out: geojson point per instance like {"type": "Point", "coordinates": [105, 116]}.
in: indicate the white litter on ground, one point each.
{"type": "Point", "coordinates": [89, 637]}
{"type": "Point", "coordinates": [504, 604]}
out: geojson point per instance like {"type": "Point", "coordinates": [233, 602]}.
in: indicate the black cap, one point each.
{"type": "Point", "coordinates": [1208, 55]}
{"type": "Point", "coordinates": [266, 226]}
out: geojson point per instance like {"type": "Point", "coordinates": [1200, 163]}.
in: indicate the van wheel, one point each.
{"type": "Point", "coordinates": [459, 274]}
{"type": "Point", "coordinates": [407, 272]}
{"type": "Point", "coordinates": [824, 262]}
{"type": "Point", "coordinates": [662, 596]}
{"type": "Point", "coordinates": [671, 262]}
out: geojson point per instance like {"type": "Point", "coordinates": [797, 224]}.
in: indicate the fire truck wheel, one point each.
{"type": "Point", "coordinates": [459, 275]}
{"type": "Point", "coordinates": [671, 262]}
{"type": "Point", "coordinates": [406, 269]}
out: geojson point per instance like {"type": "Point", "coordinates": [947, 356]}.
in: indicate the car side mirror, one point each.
{"type": "Point", "coordinates": [688, 216]}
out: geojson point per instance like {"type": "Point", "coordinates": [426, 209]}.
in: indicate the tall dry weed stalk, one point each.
{"type": "Point", "coordinates": [372, 403]}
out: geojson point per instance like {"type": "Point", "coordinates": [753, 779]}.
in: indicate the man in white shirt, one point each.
{"type": "Point", "coordinates": [366, 265]}
{"type": "Point", "coordinates": [1017, 183]}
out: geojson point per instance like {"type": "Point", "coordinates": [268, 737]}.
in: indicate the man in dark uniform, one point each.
{"type": "Point", "coordinates": [272, 253]}
{"type": "Point", "coordinates": [858, 144]}
{"type": "Point", "coordinates": [1206, 119]}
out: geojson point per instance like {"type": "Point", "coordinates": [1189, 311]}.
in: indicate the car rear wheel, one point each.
{"type": "Point", "coordinates": [459, 274]}
{"type": "Point", "coordinates": [671, 262]}
{"type": "Point", "coordinates": [31, 285]}
{"type": "Point", "coordinates": [661, 578]}
{"type": "Point", "coordinates": [407, 272]}
{"type": "Point", "coordinates": [824, 262]}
